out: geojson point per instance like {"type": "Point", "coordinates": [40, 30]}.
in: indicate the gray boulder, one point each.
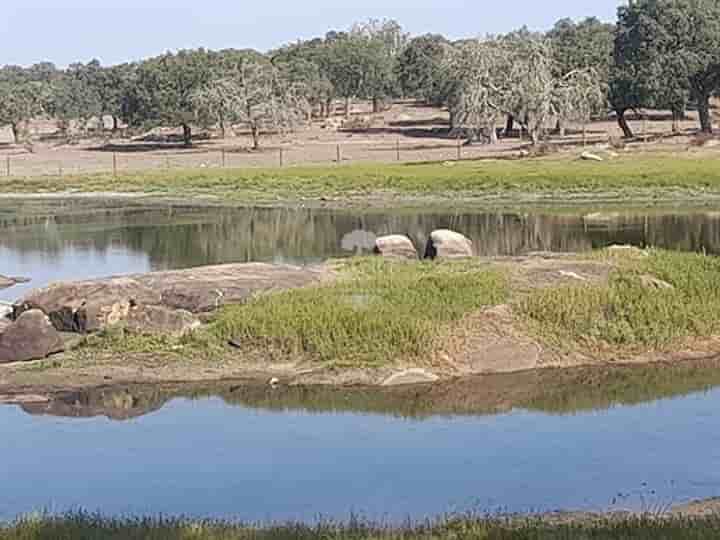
{"type": "Point", "coordinates": [444, 244]}
{"type": "Point", "coordinates": [396, 246]}
{"type": "Point", "coordinates": [89, 306]}
{"type": "Point", "coordinates": [30, 337]}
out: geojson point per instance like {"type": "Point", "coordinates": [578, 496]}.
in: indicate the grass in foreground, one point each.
{"type": "Point", "coordinates": [379, 312]}
{"type": "Point", "coordinates": [555, 175]}
{"type": "Point", "coordinates": [626, 313]}
{"type": "Point", "coordinates": [87, 527]}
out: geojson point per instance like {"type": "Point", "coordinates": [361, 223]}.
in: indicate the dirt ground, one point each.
{"type": "Point", "coordinates": [406, 132]}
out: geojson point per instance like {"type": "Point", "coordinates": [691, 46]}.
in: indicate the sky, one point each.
{"type": "Point", "coordinates": [66, 31]}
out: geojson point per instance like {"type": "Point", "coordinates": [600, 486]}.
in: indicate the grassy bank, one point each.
{"type": "Point", "coordinates": [652, 174]}
{"type": "Point", "coordinates": [626, 312]}
{"type": "Point", "coordinates": [84, 527]}
{"type": "Point", "coordinates": [376, 313]}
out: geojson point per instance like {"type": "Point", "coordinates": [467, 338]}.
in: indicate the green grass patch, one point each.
{"type": "Point", "coordinates": [546, 175]}
{"type": "Point", "coordinates": [378, 312]}
{"type": "Point", "coordinates": [624, 312]}
{"type": "Point", "coordinates": [89, 527]}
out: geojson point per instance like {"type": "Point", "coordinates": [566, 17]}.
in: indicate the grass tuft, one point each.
{"type": "Point", "coordinates": [381, 311]}
{"type": "Point", "coordinates": [82, 526]}
{"type": "Point", "coordinates": [624, 312]}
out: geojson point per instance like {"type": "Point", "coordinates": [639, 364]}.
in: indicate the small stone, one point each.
{"type": "Point", "coordinates": [410, 376]}
{"type": "Point", "coordinates": [651, 282]}
{"type": "Point", "coordinates": [587, 156]}
{"type": "Point", "coordinates": [274, 382]}
{"type": "Point", "coordinates": [395, 246]}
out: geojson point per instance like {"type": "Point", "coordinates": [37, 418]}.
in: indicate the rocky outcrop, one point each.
{"type": "Point", "coordinates": [89, 306]}
{"type": "Point", "coordinates": [30, 337]}
{"type": "Point", "coordinates": [396, 246]}
{"type": "Point", "coordinates": [444, 244]}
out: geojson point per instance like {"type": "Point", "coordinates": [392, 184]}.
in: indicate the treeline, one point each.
{"type": "Point", "coordinates": [660, 54]}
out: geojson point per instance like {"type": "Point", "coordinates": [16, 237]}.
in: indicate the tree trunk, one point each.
{"type": "Point", "coordinates": [560, 127]}
{"type": "Point", "coordinates": [509, 125]}
{"type": "Point", "coordinates": [187, 134]}
{"type": "Point", "coordinates": [348, 106]}
{"type": "Point", "coordinates": [256, 137]}
{"type": "Point", "coordinates": [676, 116]}
{"type": "Point", "coordinates": [376, 105]}
{"type": "Point", "coordinates": [704, 111]}
{"type": "Point", "coordinates": [16, 132]}
{"type": "Point", "coordinates": [223, 129]}
{"type": "Point", "coordinates": [116, 124]}
{"type": "Point", "coordinates": [624, 126]}
{"type": "Point", "coordinates": [492, 132]}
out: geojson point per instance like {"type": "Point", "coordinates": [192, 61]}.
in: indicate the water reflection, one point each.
{"type": "Point", "coordinates": [553, 391]}
{"type": "Point", "coordinates": [73, 240]}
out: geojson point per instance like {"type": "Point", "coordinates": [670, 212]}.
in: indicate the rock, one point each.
{"type": "Point", "coordinates": [161, 320]}
{"type": "Point", "coordinates": [30, 337]}
{"type": "Point", "coordinates": [5, 310]}
{"type": "Point", "coordinates": [7, 282]}
{"type": "Point", "coordinates": [444, 244]}
{"type": "Point", "coordinates": [274, 382]}
{"type": "Point", "coordinates": [587, 156]}
{"type": "Point", "coordinates": [89, 306]}
{"type": "Point", "coordinates": [626, 251]}
{"type": "Point", "coordinates": [395, 246]}
{"type": "Point", "coordinates": [572, 275]}
{"type": "Point", "coordinates": [651, 282]}
{"type": "Point", "coordinates": [410, 376]}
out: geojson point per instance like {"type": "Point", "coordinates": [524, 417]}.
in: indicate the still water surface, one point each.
{"type": "Point", "coordinates": [256, 457]}
{"type": "Point", "coordinates": [60, 240]}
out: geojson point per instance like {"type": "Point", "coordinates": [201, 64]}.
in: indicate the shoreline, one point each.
{"type": "Point", "coordinates": [500, 336]}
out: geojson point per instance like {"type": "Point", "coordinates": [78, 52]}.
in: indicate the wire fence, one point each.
{"type": "Point", "coordinates": [118, 160]}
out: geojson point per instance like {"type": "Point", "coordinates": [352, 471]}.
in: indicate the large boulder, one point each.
{"type": "Point", "coordinates": [396, 246]}
{"type": "Point", "coordinates": [444, 244]}
{"type": "Point", "coordinates": [89, 306]}
{"type": "Point", "coordinates": [31, 337]}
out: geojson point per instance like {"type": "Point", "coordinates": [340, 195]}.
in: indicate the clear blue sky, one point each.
{"type": "Point", "coordinates": [63, 31]}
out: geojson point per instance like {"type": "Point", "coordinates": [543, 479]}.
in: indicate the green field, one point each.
{"type": "Point", "coordinates": [642, 175]}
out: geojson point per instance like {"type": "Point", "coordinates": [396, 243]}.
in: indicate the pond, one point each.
{"type": "Point", "coordinates": [512, 443]}
{"type": "Point", "coordinates": [74, 239]}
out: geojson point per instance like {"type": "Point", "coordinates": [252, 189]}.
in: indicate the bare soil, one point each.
{"type": "Point", "coordinates": [407, 132]}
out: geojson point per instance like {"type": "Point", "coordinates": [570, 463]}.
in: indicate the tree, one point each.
{"type": "Point", "coordinates": [73, 96]}
{"type": "Point", "coordinates": [165, 86]}
{"type": "Point", "coordinates": [19, 103]}
{"type": "Point", "coordinates": [419, 68]}
{"type": "Point", "coordinates": [255, 96]}
{"type": "Point", "coordinates": [480, 93]}
{"type": "Point", "coordinates": [516, 76]}
{"type": "Point", "coordinates": [673, 47]}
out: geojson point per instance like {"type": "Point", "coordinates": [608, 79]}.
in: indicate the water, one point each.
{"type": "Point", "coordinates": [252, 453]}
{"type": "Point", "coordinates": [57, 240]}
{"type": "Point", "coordinates": [632, 438]}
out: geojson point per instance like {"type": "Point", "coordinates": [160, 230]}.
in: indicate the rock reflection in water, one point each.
{"type": "Point", "coordinates": [552, 391]}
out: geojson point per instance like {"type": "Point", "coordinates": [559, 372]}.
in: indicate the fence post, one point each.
{"type": "Point", "coordinates": [7, 161]}
{"type": "Point", "coordinates": [114, 164]}
{"type": "Point", "coordinates": [281, 157]}
{"type": "Point", "coordinates": [459, 150]}
{"type": "Point", "coordinates": [60, 169]}
{"type": "Point", "coordinates": [167, 163]}
{"type": "Point", "coordinates": [339, 156]}
{"type": "Point", "coordinates": [397, 148]}
{"type": "Point", "coordinates": [223, 157]}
